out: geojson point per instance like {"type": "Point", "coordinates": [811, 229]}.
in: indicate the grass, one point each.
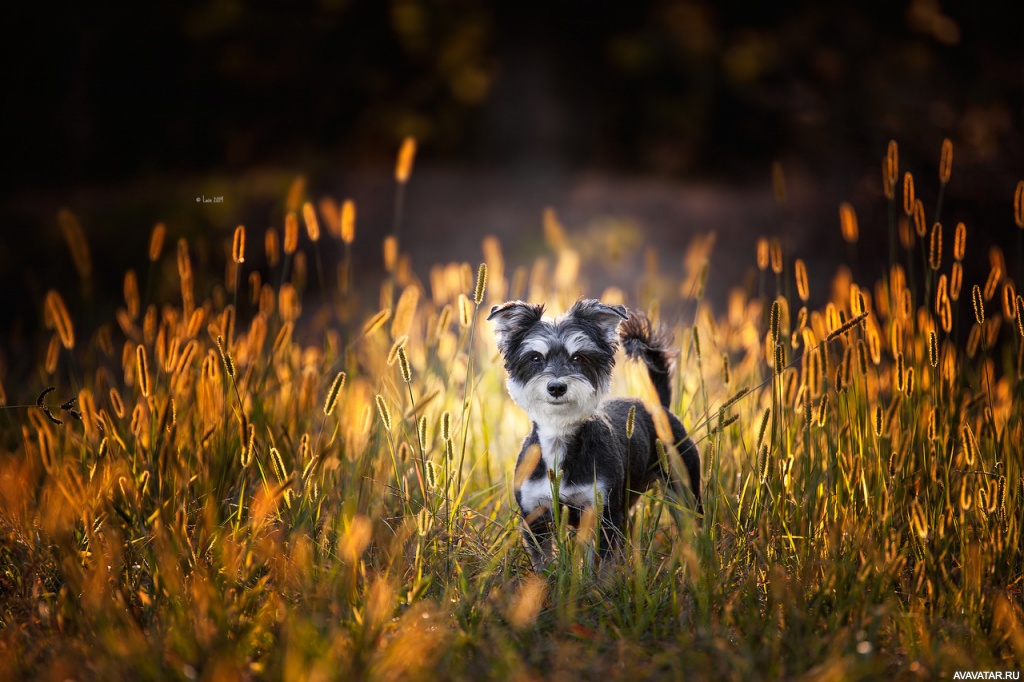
{"type": "Point", "coordinates": [228, 505]}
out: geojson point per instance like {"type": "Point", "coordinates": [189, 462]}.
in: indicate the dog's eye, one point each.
{"type": "Point", "coordinates": [579, 359]}
{"type": "Point", "coordinates": [536, 358]}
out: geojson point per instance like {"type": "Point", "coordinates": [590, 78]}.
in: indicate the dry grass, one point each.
{"type": "Point", "coordinates": [260, 485]}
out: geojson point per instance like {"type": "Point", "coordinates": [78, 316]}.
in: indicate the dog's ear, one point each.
{"type": "Point", "coordinates": [607, 317]}
{"type": "Point", "coordinates": [514, 316]}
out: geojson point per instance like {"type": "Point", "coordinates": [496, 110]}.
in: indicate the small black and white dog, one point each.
{"type": "Point", "coordinates": [559, 371]}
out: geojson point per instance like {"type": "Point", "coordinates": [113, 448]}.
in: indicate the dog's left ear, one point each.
{"type": "Point", "coordinates": [513, 316]}
{"type": "Point", "coordinates": [607, 317]}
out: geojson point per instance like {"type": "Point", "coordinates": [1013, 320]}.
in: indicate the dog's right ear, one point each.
{"type": "Point", "coordinates": [514, 316]}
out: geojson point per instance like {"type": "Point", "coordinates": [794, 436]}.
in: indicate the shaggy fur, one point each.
{"type": "Point", "coordinates": [559, 372]}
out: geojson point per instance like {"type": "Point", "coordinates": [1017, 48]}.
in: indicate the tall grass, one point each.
{"type": "Point", "coordinates": [277, 483]}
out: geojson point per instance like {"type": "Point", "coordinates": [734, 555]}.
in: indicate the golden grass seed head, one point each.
{"type": "Point", "coordinates": [481, 284]}
{"type": "Point", "coordinates": [1009, 300]}
{"type": "Point", "coordinates": [149, 328]}
{"type": "Point", "coordinates": [725, 369]}
{"type": "Point", "coordinates": [554, 233]}
{"type": "Point", "coordinates": [465, 311]}
{"type": "Point", "coordinates": [822, 411]}
{"type": "Point", "coordinates": [403, 364]}
{"type": "Point", "coordinates": [115, 403]}
{"type": "Point", "coordinates": [406, 157]}
{"type": "Point", "coordinates": [893, 463]}
{"type": "Point", "coordinates": [892, 168]}
{"type": "Point", "coordinates": [696, 340]}
{"type": "Point", "coordinates": [995, 275]}
{"type": "Point", "coordinates": [376, 322]}
{"type": "Point", "coordinates": [702, 280]}
{"type": "Point", "coordinates": [272, 247]}
{"type": "Point", "coordinates": [874, 345]}
{"type": "Point", "coordinates": [131, 294]}
{"type": "Point", "coordinates": [736, 397]}
{"type": "Point", "coordinates": [979, 304]}
{"type": "Point", "coordinates": [800, 269]}
{"type": "Point", "coordinates": [295, 192]}
{"type": "Point", "coordinates": [935, 247]}
{"type": "Point", "coordinates": [405, 312]}
{"type": "Point", "coordinates": [312, 224]}
{"type": "Point", "coordinates": [908, 382]}
{"type": "Point", "coordinates": [905, 233]}
{"type": "Point", "coordinates": [946, 161]}
{"type": "Point", "coordinates": [774, 321]}
{"type": "Point", "coordinates": [421, 431]}
{"type": "Point", "coordinates": [238, 245]}
{"type": "Point", "coordinates": [142, 369]}
{"type": "Point", "coordinates": [277, 463]}
{"type": "Point", "coordinates": [225, 357]}
{"type": "Point", "coordinates": [862, 357]}
{"type": "Point", "coordinates": [762, 428]}
{"type": "Point", "coordinates": [780, 358]}
{"type": "Point", "coordinates": [920, 224]}
{"type": "Point", "coordinates": [74, 235]}
{"type": "Point", "coordinates": [56, 314]}
{"type": "Point", "coordinates": [184, 262]}
{"type": "Point", "coordinates": [156, 242]}
{"type": "Point", "coordinates": [956, 279]}
{"type": "Point", "coordinates": [959, 241]}
{"type": "Point", "coordinates": [390, 252]}
{"type": "Point", "coordinates": [991, 332]}
{"type": "Point", "coordinates": [878, 420]}
{"type": "Point", "coordinates": [52, 354]}
{"type": "Point", "coordinates": [1020, 314]}
{"type": "Point", "coordinates": [858, 304]}
{"type": "Point", "coordinates": [946, 317]}
{"type": "Point", "coordinates": [348, 221]}
{"type": "Point", "coordinates": [446, 425]}
{"type": "Point", "coordinates": [775, 252]}
{"type": "Point", "coordinates": [762, 253]}
{"type": "Point", "coordinates": [847, 366]}
{"type": "Point", "coordinates": [933, 349]}
{"type": "Point", "coordinates": [846, 326]}
{"type": "Point", "coordinates": [383, 411]}
{"type": "Point", "coordinates": [1018, 205]}
{"type": "Point", "coordinates": [332, 394]}
{"type": "Point", "coordinates": [941, 293]}
{"type": "Point", "coordinates": [908, 194]}
{"type": "Point", "coordinates": [291, 233]}
{"type": "Point", "coordinates": [630, 422]}
{"type": "Point", "coordinates": [969, 444]}
{"type": "Point", "coordinates": [848, 222]}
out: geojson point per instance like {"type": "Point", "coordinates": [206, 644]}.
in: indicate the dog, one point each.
{"type": "Point", "coordinates": [559, 372]}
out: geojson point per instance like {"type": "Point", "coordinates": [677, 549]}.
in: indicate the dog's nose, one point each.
{"type": "Point", "coordinates": [556, 389]}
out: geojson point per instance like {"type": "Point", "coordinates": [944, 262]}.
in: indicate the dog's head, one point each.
{"type": "Point", "coordinates": [558, 369]}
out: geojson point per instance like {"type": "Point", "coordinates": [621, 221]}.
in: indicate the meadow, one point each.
{"type": "Point", "coordinates": [266, 474]}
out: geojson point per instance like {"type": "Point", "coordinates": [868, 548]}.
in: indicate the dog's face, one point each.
{"type": "Point", "coordinates": [558, 369]}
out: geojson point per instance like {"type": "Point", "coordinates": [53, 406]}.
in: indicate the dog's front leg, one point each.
{"type": "Point", "coordinates": [538, 532]}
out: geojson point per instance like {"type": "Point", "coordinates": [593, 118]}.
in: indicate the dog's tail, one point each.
{"type": "Point", "coordinates": [642, 341]}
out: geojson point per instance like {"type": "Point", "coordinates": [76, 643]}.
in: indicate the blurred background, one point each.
{"type": "Point", "coordinates": [644, 124]}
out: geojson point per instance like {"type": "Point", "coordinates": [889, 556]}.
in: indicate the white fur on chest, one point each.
{"type": "Point", "coordinates": [537, 492]}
